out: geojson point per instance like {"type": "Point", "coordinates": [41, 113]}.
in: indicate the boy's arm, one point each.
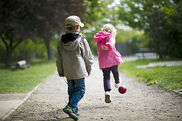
{"type": "Point", "coordinates": [59, 62]}
{"type": "Point", "coordinates": [87, 55]}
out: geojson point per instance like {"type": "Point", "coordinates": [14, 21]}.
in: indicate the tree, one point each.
{"type": "Point", "coordinates": [13, 25]}
{"type": "Point", "coordinates": [52, 14]}
{"type": "Point", "coordinates": [98, 13]}
{"type": "Point", "coordinates": [160, 20]}
{"type": "Point", "coordinates": [22, 20]}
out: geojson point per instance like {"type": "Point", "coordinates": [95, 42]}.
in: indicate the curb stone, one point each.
{"type": "Point", "coordinates": [170, 90]}
{"type": "Point", "coordinates": [22, 101]}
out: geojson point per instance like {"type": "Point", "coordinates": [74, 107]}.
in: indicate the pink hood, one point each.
{"type": "Point", "coordinates": [102, 36]}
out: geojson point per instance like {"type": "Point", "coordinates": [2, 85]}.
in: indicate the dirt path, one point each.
{"type": "Point", "coordinates": [140, 103]}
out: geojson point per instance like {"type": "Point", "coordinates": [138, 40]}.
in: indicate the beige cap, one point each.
{"type": "Point", "coordinates": [73, 20]}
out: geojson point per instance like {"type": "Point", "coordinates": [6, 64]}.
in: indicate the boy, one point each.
{"type": "Point", "coordinates": [74, 61]}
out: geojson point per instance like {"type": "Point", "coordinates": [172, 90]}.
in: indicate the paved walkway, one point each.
{"type": "Point", "coordinates": [140, 103]}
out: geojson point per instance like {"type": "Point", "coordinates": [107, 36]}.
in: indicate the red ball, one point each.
{"type": "Point", "coordinates": [122, 89]}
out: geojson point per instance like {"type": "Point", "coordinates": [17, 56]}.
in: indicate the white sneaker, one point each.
{"type": "Point", "coordinates": [107, 97]}
{"type": "Point", "coordinates": [117, 85]}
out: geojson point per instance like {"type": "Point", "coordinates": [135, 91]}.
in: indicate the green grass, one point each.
{"type": "Point", "coordinates": [170, 77]}
{"type": "Point", "coordinates": [22, 81]}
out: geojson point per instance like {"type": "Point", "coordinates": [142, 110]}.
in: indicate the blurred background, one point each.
{"type": "Point", "coordinates": [30, 29]}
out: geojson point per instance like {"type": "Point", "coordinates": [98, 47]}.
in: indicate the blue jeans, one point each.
{"type": "Point", "coordinates": [76, 90]}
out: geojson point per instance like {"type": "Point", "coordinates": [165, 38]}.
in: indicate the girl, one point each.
{"type": "Point", "coordinates": [109, 58]}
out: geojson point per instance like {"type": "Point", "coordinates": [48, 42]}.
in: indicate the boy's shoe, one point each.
{"type": "Point", "coordinates": [117, 85]}
{"type": "Point", "coordinates": [68, 110]}
{"type": "Point", "coordinates": [107, 97]}
{"type": "Point", "coordinates": [77, 114]}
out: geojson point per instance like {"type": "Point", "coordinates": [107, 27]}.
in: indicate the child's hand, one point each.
{"type": "Point", "coordinates": [88, 73]}
{"type": "Point", "coordinates": [104, 47]}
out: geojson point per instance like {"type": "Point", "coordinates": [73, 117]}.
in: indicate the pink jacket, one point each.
{"type": "Point", "coordinates": [107, 58]}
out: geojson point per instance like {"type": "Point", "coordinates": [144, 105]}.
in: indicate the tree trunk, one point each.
{"type": "Point", "coordinates": [47, 43]}
{"type": "Point", "coordinates": [161, 56]}
{"type": "Point", "coordinates": [8, 60]}
{"type": "Point", "coordinates": [10, 47]}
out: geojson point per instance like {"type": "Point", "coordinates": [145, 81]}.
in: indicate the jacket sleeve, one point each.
{"type": "Point", "coordinates": [87, 54]}
{"type": "Point", "coordinates": [110, 44]}
{"type": "Point", "coordinates": [59, 62]}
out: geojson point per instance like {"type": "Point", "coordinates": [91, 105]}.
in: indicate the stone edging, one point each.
{"type": "Point", "coordinates": [170, 90]}
{"type": "Point", "coordinates": [22, 101]}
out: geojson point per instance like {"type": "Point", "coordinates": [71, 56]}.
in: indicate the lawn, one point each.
{"type": "Point", "coordinates": [170, 77]}
{"type": "Point", "coordinates": [22, 81]}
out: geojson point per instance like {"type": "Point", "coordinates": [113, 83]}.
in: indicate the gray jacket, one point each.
{"type": "Point", "coordinates": [74, 57]}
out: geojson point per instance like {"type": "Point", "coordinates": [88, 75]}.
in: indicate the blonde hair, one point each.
{"type": "Point", "coordinates": [109, 28]}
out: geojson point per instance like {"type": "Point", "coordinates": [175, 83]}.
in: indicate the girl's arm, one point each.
{"type": "Point", "coordinates": [110, 44]}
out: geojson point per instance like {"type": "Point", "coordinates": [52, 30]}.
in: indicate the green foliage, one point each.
{"type": "Point", "coordinates": [40, 51]}
{"type": "Point", "coordinates": [27, 50]}
{"type": "Point", "coordinates": [125, 35]}
{"type": "Point", "coordinates": [89, 36]}
{"type": "Point", "coordinates": [95, 10]}
{"type": "Point", "coordinates": [135, 39]}
{"type": "Point", "coordinates": [24, 51]}
{"type": "Point", "coordinates": [165, 76]}
{"type": "Point", "coordinates": [25, 80]}
{"type": "Point", "coordinates": [23, 20]}
{"type": "Point", "coordinates": [161, 20]}
{"type": "Point", "coordinates": [2, 51]}
{"type": "Point", "coordinates": [100, 12]}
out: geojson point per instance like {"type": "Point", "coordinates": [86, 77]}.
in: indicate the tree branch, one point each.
{"type": "Point", "coordinates": [4, 41]}
{"type": "Point", "coordinates": [20, 40]}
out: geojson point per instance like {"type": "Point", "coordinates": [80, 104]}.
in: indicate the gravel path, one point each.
{"type": "Point", "coordinates": [140, 103]}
